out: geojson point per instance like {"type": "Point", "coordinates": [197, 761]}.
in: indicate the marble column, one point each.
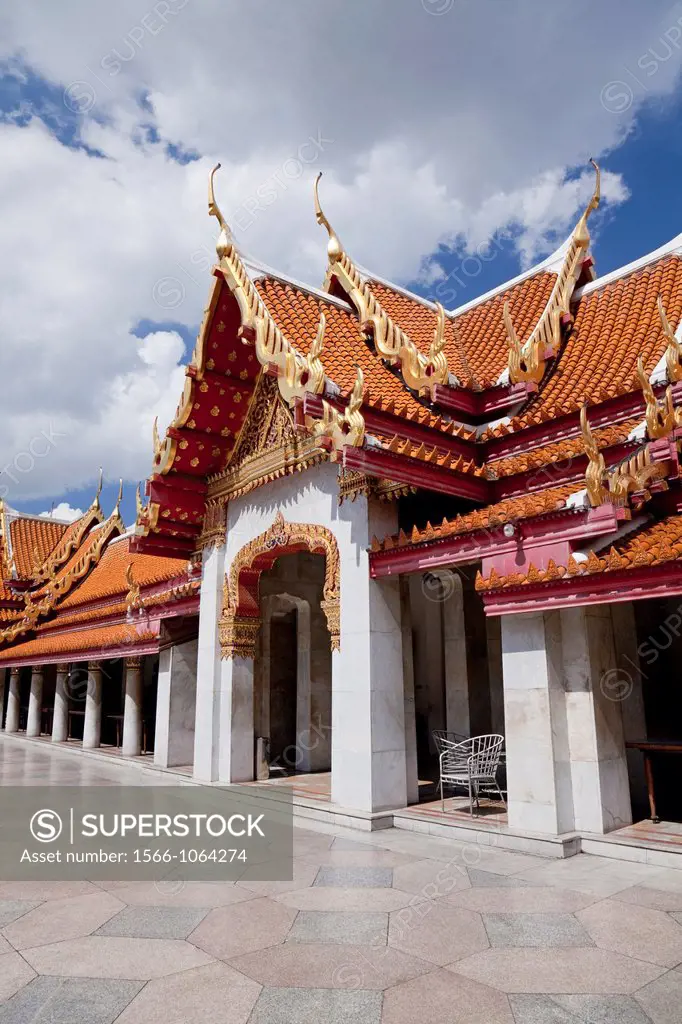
{"type": "Point", "coordinates": [12, 719]}
{"type": "Point", "coordinates": [368, 700]}
{"type": "Point", "coordinates": [629, 687]}
{"type": "Point", "coordinates": [176, 698]}
{"type": "Point", "coordinates": [538, 769]}
{"type": "Point", "coordinates": [4, 675]}
{"type": "Point", "coordinates": [236, 761]}
{"type": "Point", "coordinates": [599, 775]}
{"type": "Point", "coordinates": [131, 744]}
{"type": "Point", "coordinates": [457, 711]}
{"type": "Point", "coordinates": [410, 710]}
{"type": "Point", "coordinates": [207, 720]}
{"type": "Point", "coordinates": [92, 725]}
{"type": "Point", "coordinates": [60, 718]}
{"type": "Point", "coordinates": [35, 702]}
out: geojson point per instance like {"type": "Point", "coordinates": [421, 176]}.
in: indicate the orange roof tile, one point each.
{"type": "Point", "coordinates": [613, 326]}
{"type": "Point", "coordinates": [31, 538]}
{"type": "Point", "coordinates": [476, 338]}
{"type": "Point", "coordinates": [78, 640]}
{"type": "Point", "coordinates": [108, 577]}
{"type": "Point", "coordinates": [561, 450]}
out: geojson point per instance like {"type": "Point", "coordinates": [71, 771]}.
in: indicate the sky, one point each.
{"type": "Point", "coordinates": [454, 137]}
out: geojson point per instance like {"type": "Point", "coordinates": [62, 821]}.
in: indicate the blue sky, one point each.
{"type": "Point", "coordinates": [134, 185]}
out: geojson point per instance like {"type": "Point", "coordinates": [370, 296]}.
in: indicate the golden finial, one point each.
{"type": "Point", "coordinates": [95, 500]}
{"type": "Point", "coordinates": [225, 240]}
{"type": "Point", "coordinates": [117, 508]}
{"type": "Point", "coordinates": [594, 474]}
{"type": "Point", "coordinates": [673, 353]}
{"type": "Point", "coordinates": [661, 417]}
{"type": "Point", "coordinates": [581, 234]}
{"type": "Point", "coordinates": [334, 247]}
{"type": "Point", "coordinates": [37, 561]}
{"type": "Point", "coordinates": [133, 596]}
{"type": "Point", "coordinates": [156, 440]}
{"type": "Point", "coordinates": [138, 502]}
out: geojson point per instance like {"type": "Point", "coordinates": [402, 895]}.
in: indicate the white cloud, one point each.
{"type": "Point", "coordinates": [430, 129]}
{"type": "Point", "coordinates": [64, 511]}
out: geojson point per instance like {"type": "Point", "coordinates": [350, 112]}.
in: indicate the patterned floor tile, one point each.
{"type": "Point", "coordinates": [11, 910]}
{"type": "Point", "coordinates": [320, 965]}
{"type": "Point", "coordinates": [311, 1006]}
{"type": "Point", "coordinates": [437, 933]}
{"type": "Point", "coordinates": [244, 928]}
{"type": "Point", "coordinates": [532, 1009]}
{"type": "Point", "coordinates": [204, 994]}
{"type": "Point", "coordinates": [58, 920]}
{"type": "Point", "coordinates": [154, 922]}
{"type": "Point", "coordinates": [333, 926]}
{"type": "Point", "coordinates": [445, 998]}
{"type": "Point", "coordinates": [541, 930]}
{"type": "Point", "coordinates": [354, 877]}
{"type": "Point", "coordinates": [67, 1000]}
{"type": "Point", "coordinates": [101, 956]}
{"type": "Point", "coordinates": [636, 931]}
{"type": "Point", "coordinates": [662, 999]}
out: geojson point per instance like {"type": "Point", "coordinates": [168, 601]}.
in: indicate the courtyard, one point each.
{"type": "Point", "coordinates": [389, 926]}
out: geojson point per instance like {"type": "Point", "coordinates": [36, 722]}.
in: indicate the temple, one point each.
{"type": "Point", "coordinates": [372, 519]}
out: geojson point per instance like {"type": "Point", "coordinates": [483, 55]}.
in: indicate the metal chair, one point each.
{"type": "Point", "coordinates": [473, 764]}
{"type": "Point", "coordinates": [447, 734]}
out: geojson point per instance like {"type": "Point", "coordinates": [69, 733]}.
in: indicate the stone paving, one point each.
{"type": "Point", "coordinates": [387, 928]}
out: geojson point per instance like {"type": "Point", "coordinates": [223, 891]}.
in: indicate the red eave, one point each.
{"type": "Point", "coordinates": [425, 476]}
{"type": "Point", "coordinates": [478, 407]}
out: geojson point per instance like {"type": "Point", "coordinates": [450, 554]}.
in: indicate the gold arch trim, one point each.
{"type": "Point", "coordinates": [238, 633]}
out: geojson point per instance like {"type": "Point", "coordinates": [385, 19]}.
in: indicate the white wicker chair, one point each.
{"type": "Point", "coordinates": [472, 764]}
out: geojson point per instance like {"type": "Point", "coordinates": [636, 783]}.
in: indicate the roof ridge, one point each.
{"type": "Point", "coordinates": [279, 275]}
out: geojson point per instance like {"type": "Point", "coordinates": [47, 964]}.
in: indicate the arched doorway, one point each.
{"type": "Point", "coordinates": [280, 620]}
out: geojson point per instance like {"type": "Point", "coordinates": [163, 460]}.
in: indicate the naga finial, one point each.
{"type": "Point", "coordinates": [594, 474]}
{"type": "Point", "coordinates": [334, 247]}
{"type": "Point", "coordinates": [117, 508]}
{"type": "Point", "coordinates": [225, 241]}
{"type": "Point", "coordinates": [673, 352]}
{"type": "Point", "coordinates": [95, 500]}
{"type": "Point", "coordinates": [138, 502]}
{"type": "Point", "coordinates": [156, 440]}
{"type": "Point", "coordinates": [582, 235]}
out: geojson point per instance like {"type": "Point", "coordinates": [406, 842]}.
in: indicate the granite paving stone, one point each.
{"type": "Point", "coordinates": [560, 1009]}
{"type": "Point", "coordinates": [243, 928]}
{"type": "Point", "coordinates": [431, 879]}
{"type": "Point", "coordinates": [10, 910]}
{"type": "Point", "coordinates": [437, 933]}
{"type": "Point", "coordinates": [527, 900]}
{"type": "Point", "coordinates": [69, 1000]}
{"type": "Point", "coordinates": [339, 926]}
{"type": "Point", "coordinates": [57, 920]}
{"type": "Point", "coordinates": [541, 930]}
{"type": "Point", "coordinates": [353, 877]}
{"type": "Point", "coordinates": [182, 894]}
{"type": "Point", "coordinates": [657, 899]}
{"type": "Point", "coordinates": [298, 875]}
{"type": "Point", "coordinates": [214, 993]}
{"type": "Point", "coordinates": [445, 998]}
{"type": "Point", "coordinates": [569, 969]}
{"type": "Point", "coordinates": [662, 999]}
{"type": "Point", "coordinates": [636, 931]}
{"type": "Point", "coordinates": [104, 956]}
{"type": "Point", "coordinates": [322, 965]}
{"type": "Point", "coordinates": [154, 922]}
{"type": "Point", "coordinates": [479, 877]}
{"type": "Point", "coordinates": [312, 1006]}
{"type": "Point", "coordinates": [14, 974]}
{"type": "Point", "coordinates": [321, 897]}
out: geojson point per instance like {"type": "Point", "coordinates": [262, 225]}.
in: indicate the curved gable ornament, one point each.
{"type": "Point", "coordinates": [239, 620]}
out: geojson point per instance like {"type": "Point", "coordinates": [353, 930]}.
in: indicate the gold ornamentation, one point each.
{"type": "Point", "coordinates": [271, 346]}
{"type": "Point", "coordinates": [596, 470]}
{"type": "Point", "coordinates": [419, 372]}
{"type": "Point", "coordinates": [352, 484]}
{"type": "Point", "coordinates": [280, 537]}
{"type": "Point", "coordinates": [134, 662]}
{"type": "Point", "coordinates": [346, 428]}
{"type": "Point", "coordinates": [522, 365]}
{"type": "Point", "coordinates": [673, 353]}
{"type": "Point", "coordinates": [661, 417]}
{"type": "Point", "coordinates": [545, 338]}
{"type": "Point", "coordinates": [214, 526]}
{"type": "Point", "coordinates": [72, 539]}
{"type": "Point", "coordinates": [239, 637]}
{"type": "Point", "coordinates": [133, 599]}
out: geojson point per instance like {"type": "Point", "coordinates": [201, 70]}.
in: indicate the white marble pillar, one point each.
{"type": "Point", "coordinates": [457, 711]}
{"type": "Point", "coordinates": [599, 775]}
{"type": "Point", "coordinates": [60, 717]}
{"type": "Point", "coordinates": [35, 702]}
{"type": "Point", "coordinates": [131, 744]}
{"type": "Point", "coordinates": [538, 769]}
{"type": "Point", "coordinates": [629, 687]}
{"type": "Point", "coordinates": [4, 676]}
{"type": "Point", "coordinates": [176, 698]}
{"type": "Point", "coordinates": [92, 724]}
{"type": "Point", "coordinates": [207, 721]}
{"type": "Point", "coordinates": [368, 709]}
{"type": "Point", "coordinates": [411, 770]}
{"type": "Point", "coordinates": [236, 762]}
{"type": "Point", "coordinates": [13, 701]}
